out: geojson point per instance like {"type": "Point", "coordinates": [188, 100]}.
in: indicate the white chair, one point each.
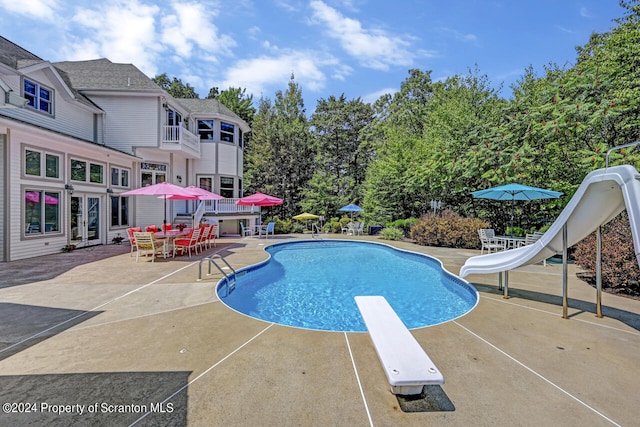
{"type": "Point", "coordinates": [359, 229]}
{"type": "Point", "coordinates": [187, 243]}
{"type": "Point", "coordinates": [246, 231]}
{"type": "Point", "coordinates": [488, 239]}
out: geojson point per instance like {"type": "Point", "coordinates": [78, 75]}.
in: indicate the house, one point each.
{"type": "Point", "coordinates": [76, 134]}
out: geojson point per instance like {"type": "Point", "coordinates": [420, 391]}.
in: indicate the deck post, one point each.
{"type": "Point", "coordinates": [599, 271]}
{"type": "Point", "coordinates": [565, 273]}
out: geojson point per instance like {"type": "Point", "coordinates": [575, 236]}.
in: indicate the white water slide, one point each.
{"type": "Point", "coordinates": [603, 194]}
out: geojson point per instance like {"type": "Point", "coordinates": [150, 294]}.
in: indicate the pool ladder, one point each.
{"type": "Point", "coordinates": [212, 260]}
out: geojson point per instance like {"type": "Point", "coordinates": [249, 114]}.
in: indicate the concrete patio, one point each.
{"type": "Point", "coordinates": [94, 338]}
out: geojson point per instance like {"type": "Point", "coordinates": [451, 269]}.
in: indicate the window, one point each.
{"type": "Point", "coordinates": [226, 187]}
{"type": "Point", "coordinates": [79, 169]}
{"type": "Point", "coordinates": [35, 162]}
{"type": "Point", "coordinates": [240, 138]}
{"type": "Point", "coordinates": [153, 173]}
{"type": "Point", "coordinates": [119, 177]}
{"type": "Point", "coordinates": [174, 118]}
{"type": "Point", "coordinates": [205, 183]}
{"type": "Point", "coordinates": [226, 132]}
{"type": "Point", "coordinates": [205, 130]}
{"type": "Point", "coordinates": [41, 212]}
{"type": "Point", "coordinates": [38, 97]}
{"type": "Point", "coordinates": [119, 211]}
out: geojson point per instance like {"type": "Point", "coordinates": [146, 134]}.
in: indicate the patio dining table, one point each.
{"type": "Point", "coordinates": [510, 242]}
{"type": "Point", "coordinates": [168, 237]}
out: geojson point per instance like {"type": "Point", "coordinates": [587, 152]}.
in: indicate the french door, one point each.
{"type": "Point", "coordinates": [86, 220]}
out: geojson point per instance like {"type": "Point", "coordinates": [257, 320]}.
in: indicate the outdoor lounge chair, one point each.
{"type": "Point", "coordinates": [147, 245]}
{"type": "Point", "coordinates": [188, 243]}
{"type": "Point", "coordinates": [488, 239]}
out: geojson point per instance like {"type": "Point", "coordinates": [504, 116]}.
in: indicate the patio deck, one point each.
{"type": "Point", "coordinates": [147, 344]}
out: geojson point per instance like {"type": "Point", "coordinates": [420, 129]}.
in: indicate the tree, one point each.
{"type": "Point", "coordinates": [341, 156]}
{"type": "Point", "coordinates": [175, 87]}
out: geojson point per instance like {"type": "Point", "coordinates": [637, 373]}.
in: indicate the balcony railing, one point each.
{"type": "Point", "coordinates": [179, 138]}
{"type": "Point", "coordinates": [228, 206]}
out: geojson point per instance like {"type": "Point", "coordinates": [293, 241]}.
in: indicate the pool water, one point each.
{"type": "Point", "coordinates": [312, 284]}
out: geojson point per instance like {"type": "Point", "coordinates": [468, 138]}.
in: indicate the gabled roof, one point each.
{"type": "Point", "coordinates": [102, 74]}
{"type": "Point", "coordinates": [16, 57]}
{"type": "Point", "coordinates": [210, 107]}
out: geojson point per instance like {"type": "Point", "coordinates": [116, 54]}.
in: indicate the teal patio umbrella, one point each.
{"type": "Point", "coordinates": [515, 192]}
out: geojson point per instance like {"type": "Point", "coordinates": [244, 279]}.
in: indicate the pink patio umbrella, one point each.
{"type": "Point", "coordinates": [163, 189]}
{"type": "Point", "coordinates": [201, 194]}
{"type": "Point", "coordinates": [259, 199]}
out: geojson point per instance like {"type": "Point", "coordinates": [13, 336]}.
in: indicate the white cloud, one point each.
{"type": "Point", "coordinates": [190, 26]}
{"type": "Point", "coordinates": [123, 31]}
{"type": "Point", "coordinates": [38, 9]}
{"type": "Point", "coordinates": [370, 98]}
{"type": "Point", "coordinates": [260, 75]}
{"type": "Point", "coordinates": [373, 48]}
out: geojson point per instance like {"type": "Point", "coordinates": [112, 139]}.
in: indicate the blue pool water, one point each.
{"type": "Point", "coordinates": [312, 284]}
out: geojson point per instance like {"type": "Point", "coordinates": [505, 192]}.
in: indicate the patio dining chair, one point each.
{"type": "Point", "coordinates": [203, 240]}
{"type": "Point", "coordinates": [132, 238]}
{"type": "Point", "coordinates": [188, 243]}
{"type": "Point", "coordinates": [489, 241]}
{"type": "Point", "coordinates": [269, 229]}
{"type": "Point", "coordinates": [152, 228]}
{"type": "Point", "coordinates": [166, 227]}
{"type": "Point", "coordinates": [147, 245]}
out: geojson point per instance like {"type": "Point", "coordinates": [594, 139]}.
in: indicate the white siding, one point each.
{"type": "Point", "coordinates": [69, 117]}
{"type": "Point", "coordinates": [228, 159]}
{"type": "Point", "coordinates": [130, 121]}
{"type": "Point", "coordinates": [3, 185]}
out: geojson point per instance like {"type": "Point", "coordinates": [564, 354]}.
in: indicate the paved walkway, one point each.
{"type": "Point", "coordinates": [114, 342]}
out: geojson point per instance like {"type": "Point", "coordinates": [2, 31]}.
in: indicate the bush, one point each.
{"type": "Point", "coordinates": [404, 225]}
{"type": "Point", "coordinates": [450, 231]}
{"type": "Point", "coordinates": [391, 233]}
{"type": "Point", "coordinates": [620, 271]}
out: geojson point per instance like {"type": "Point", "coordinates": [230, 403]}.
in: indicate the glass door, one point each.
{"type": "Point", "coordinates": [85, 220]}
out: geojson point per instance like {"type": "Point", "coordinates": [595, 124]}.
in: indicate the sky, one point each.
{"type": "Point", "coordinates": [359, 48]}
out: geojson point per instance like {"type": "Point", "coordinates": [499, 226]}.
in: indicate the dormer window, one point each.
{"type": "Point", "coordinates": [38, 97]}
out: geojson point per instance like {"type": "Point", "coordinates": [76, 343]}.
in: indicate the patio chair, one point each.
{"type": "Point", "coordinates": [204, 237]}
{"type": "Point", "coordinates": [530, 239]}
{"type": "Point", "coordinates": [246, 231]}
{"type": "Point", "coordinates": [488, 239]}
{"type": "Point", "coordinates": [359, 229]}
{"type": "Point", "coordinates": [345, 230]}
{"type": "Point", "coordinates": [188, 243]}
{"type": "Point", "coordinates": [147, 245]}
{"type": "Point", "coordinates": [132, 238]}
{"type": "Point", "coordinates": [152, 228]}
{"type": "Point", "coordinates": [270, 228]}
{"type": "Point", "coordinates": [166, 227]}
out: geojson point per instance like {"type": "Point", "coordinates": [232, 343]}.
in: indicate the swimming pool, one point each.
{"type": "Point", "coordinates": [312, 285]}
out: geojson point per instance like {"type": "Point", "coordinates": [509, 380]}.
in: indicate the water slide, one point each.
{"type": "Point", "coordinates": [603, 194]}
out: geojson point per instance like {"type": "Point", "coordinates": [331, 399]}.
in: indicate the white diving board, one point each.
{"type": "Point", "coordinates": [407, 366]}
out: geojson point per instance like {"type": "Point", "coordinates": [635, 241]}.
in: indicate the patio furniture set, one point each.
{"type": "Point", "coordinates": [491, 242]}
{"type": "Point", "coordinates": [168, 241]}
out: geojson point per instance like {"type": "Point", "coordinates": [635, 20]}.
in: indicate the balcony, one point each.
{"type": "Point", "coordinates": [177, 138]}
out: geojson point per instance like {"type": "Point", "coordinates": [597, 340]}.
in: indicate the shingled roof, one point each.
{"type": "Point", "coordinates": [15, 56]}
{"type": "Point", "coordinates": [102, 74]}
{"type": "Point", "coordinates": [208, 106]}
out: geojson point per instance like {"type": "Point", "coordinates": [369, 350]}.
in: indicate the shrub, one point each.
{"type": "Point", "coordinates": [451, 231]}
{"type": "Point", "coordinates": [404, 224]}
{"type": "Point", "coordinates": [391, 233]}
{"type": "Point", "coordinates": [620, 271]}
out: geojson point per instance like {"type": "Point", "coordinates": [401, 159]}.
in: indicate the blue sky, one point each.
{"type": "Point", "coordinates": [362, 48]}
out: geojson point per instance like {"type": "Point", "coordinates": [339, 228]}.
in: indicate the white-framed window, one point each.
{"type": "Point", "coordinates": [174, 118]}
{"type": "Point", "coordinates": [152, 173]}
{"type": "Point", "coordinates": [240, 138]}
{"type": "Point", "coordinates": [41, 164]}
{"type": "Point", "coordinates": [83, 171]}
{"type": "Point", "coordinates": [226, 187]}
{"type": "Point", "coordinates": [119, 177]}
{"type": "Point", "coordinates": [119, 211]}
{"type": "Point", "coordinates": [205, 130]}
{"type": "Point", "coordinates": [41, 211]}
{"type": "Point", "coordinates": [227, 131]}
{"type": "Point", "coordinates": [38, 97]}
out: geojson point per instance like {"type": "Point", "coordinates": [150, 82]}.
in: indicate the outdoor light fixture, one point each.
{"type": "Point", "coordinates": [179, 179]}
{"type": "Point", "coordinates": [69, 188]}
{"type": "Point", "coordinates": [109, 191]}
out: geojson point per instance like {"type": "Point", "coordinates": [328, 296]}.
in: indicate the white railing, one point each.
{"type": "Point", "coordinates": [228, 206]}
{"type": "Point", "coordinates": [177, 137]}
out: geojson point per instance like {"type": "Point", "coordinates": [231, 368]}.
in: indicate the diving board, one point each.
{"type": "Point", "coordinates": [407, 367]}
